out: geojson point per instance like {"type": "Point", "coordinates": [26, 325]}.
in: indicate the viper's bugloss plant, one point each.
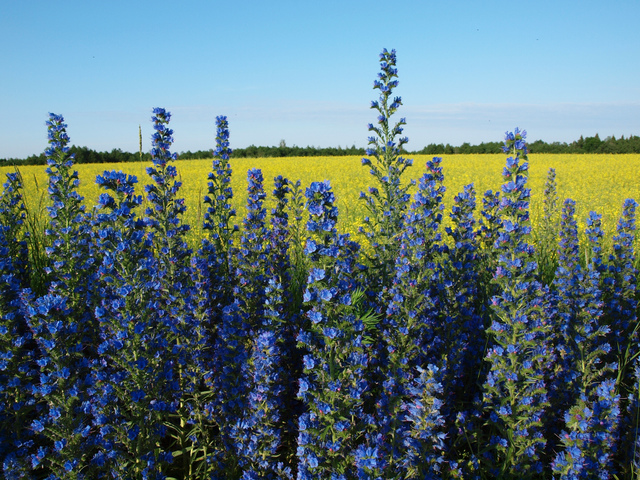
{"type": "Point", "coordinates": [71, 260]}
{"type": "Point", "coordinates": [582, 384]}
{"type": "Point", "coordinates": [582, 338]}
{"type": "Point", "coordinates": [285, 308]}
{"type": "Point", "coordinates": [253, 256]}
{"type": "Point", "coordinates": [214, 281]}
{"type": "Point", "coordinates": [489, 223]}
{"type": "Point", "coordinates": [63, 323]}
{"type": "Point", "coordinates": [279, 235]}
{"type": "Point", "coordinates": [547, 232]}
{"type": "Point", "coordinates": [297, 235]}
{"type": "Point", "coordinates": [590, 441]}
{"type": "Point", "coordinates": [69, 229]}
{"type": "Point", "coordinates": [17, 372]}
{"type": "Point", "coordinates": [280, 265]}
{"type": "Point", "coordinates": [164, 220]}
{"type": "Point", "coordinates": [220, 212]}
{"type": "Point", "coordinates": [260, 314]}
{"type": "Point", "coordinates": [387, 201]}
{"type": "Point", "coordinates": [515, 395]}
{"type": "Point", "coordinates": [461, 314]}
{"type": "Point", "coordinates": [242, 321]}
{"type": "Point", "coordinates": [133, 391]}
{"type": "Point", "coordinates": [185, 325]}
{"type": "Point", "coordinates": [461, 311]}
{"type": "Point", "coordinates": [333, 384]}
{"type": "Point", "coordinates": [217, 247]}
{"type": "Point", "coordinates": [619, 292]}
{"type": "Point", "coordinates": [411, 336]}
{"type": "Point", "coordinates": [164, 215]}
{"type": "Point", "coordinates": [459, 297]}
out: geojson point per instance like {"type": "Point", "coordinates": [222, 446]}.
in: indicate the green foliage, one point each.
{"type": "Point", "coordinates": [388, 201]}
{"type": "Point", "coordinates": [546, 235]}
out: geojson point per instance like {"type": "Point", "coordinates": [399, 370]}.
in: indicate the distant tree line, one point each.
{"type": "Point", "coordinates": [280, 151]}
{"type": "Point", "coordinates": [582, 145]}
{"type": "Point", "coordinates": [594, 144]}
{"type": "Point", "coordinates": [86, 155]}
{"type": "Point", "coordinates": [590, 145]}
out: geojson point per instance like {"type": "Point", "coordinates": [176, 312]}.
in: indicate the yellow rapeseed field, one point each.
{"type": "Point", "coordinates": [597, 182]}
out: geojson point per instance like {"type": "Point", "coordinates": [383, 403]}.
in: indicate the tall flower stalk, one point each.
{"type": "Point", "coordinates": [183, 330]}
{"type": "Point", "coordinates": [333, 384]}
{"type": "Point", "coordinates": [217, 247]}
{"type": "Point", "coordinates": [132, 392]}
{"type": "Point", "coordinates": [17, 362]}
{"type": "Point", "coordinates": [411, 335]}
{"type": "Point", "coordinates": [63, 323]}
{"type": "Point", "coordinates": [582, 337]}
{"type": "Point", "coordinates": [515, 395]}
{"type": "Point", "coordinates": [546, 234]}
{"type": "Point", "coordinates": [388, 201]}
{"type": "Point", "coordinates": [489, 224]}
{"type": "Point", "coordinates": [259, 314]}
{"type": "Point", "coordinates": [620, 294]}
{"type": "Point", "coordinates": [461, 315]}
{"type": "Point", "coordinates": [583, 385]}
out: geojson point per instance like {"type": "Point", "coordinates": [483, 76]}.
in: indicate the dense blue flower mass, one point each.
{"type": "Point", "coordinates": [17, 372]}
{"type": "Point", "coordinates": [518, 353]}
{"type": "Point", "coordinates": [468, 345]}
{"type": "Point", "coordinates": [333, 383]}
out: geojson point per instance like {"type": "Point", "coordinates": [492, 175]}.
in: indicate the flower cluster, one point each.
{"type": "Point", "coordinates": [461, 312]}
{"type": "Point", "coordinates": [212, 266]}
{"type": "Point", "coordinates": [515, 394]}
{"type": "Point", "coordinates": [134, 390]}
{"type": "Point", "coordinates": [219, 211]}
{"type": "Point", "coordinates": [411, 335]}
{"type": "Point", "coordinates": [285, 352]}
{"type": "Point", "coordinates": [62, 322]}
{"type": "Point", "coordinates": [590, 442]}
{"type": "Point", "coordinates": [388, 201]}
{"type": "Point", "coordinates": [619, 289]}
{"type": "Point", "coordinates": [583, 386]}
{"type": "Point", "coordinates": [17, 373]}
{"type": "Point", "coordinates": [546, 237]}
{"type": "Point", "coordinates": [333, 383]}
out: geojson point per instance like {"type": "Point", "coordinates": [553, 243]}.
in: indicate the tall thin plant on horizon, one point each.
{"type": "Point", "coordinates": [140, 141]}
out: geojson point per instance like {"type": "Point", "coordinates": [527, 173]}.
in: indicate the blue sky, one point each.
{"type": "Point", "coordinates": [303, 71]}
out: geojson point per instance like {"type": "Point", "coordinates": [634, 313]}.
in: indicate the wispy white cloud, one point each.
{"type": "Point", "coordinates": [340, 123]}
{"type": "Point", "coordinates": [474, 122]}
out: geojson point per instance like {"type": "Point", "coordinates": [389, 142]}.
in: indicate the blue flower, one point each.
{"type": "Point", "coordinates": [137, 395]}
{"type": "Point", "coordinates": [37, 426]}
